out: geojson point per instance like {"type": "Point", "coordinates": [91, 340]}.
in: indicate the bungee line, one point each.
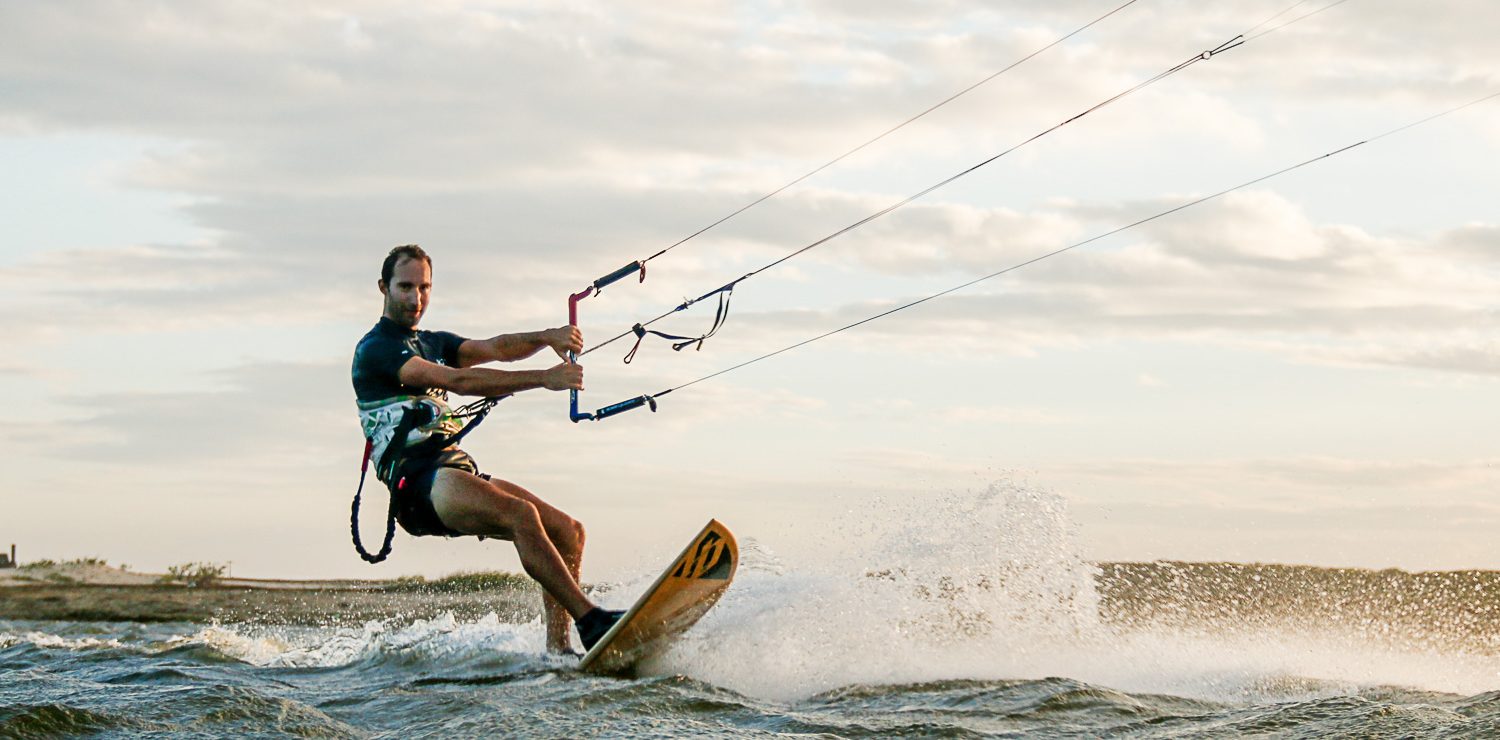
{"type": "Point", "coordinates": [889, 131]}
{"type": "Point", "coordinates": [1034, 260]}
{"type": "Point", "coordinates": [680, 341]}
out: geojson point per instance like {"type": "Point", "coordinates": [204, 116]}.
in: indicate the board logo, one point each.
{"type": "Point", "coordinates": [708, 559]}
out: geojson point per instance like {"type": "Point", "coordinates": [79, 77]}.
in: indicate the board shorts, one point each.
{"type": "Point", "coordinates": [412, 491]}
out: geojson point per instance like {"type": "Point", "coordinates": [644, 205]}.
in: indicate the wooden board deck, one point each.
{"type": "Point", "coordinates": [683, 593]}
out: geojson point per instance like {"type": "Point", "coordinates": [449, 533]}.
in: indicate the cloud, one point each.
{"type": "Point", "coordinates": [372, 96]}
{"type": "Point", "coordinates": [1479, 357]}
{"type": "Point", "coordinates": [1289, 484]}
{"type": "Point", "coordinates": [1413, 536]}
{"type": "Point", "coordinates": [162, 288]}
{"type": "Point", "coordinates": [1446, 520]}
{"type": "Point", "coordinates": [375, 99]}
{"type": "Point", "coordinates": [439, 97]}
{"type": "Point", "coordinates": [530, 140]}
{"type": "Point", "coordinates": [264, 415]}
{"type": "Point", "coordinates": [1147, 380]}
{"type": "Point", "coordinates": [21, 371]}
{"type": "Point", "coordinates": [1250, 269]}
{"type": "Point", "coordinates": [1475, 243]}
{"type": "Point", "coordinates": [991, 415]}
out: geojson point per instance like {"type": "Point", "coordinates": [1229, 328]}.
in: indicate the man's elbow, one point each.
{"type": "Point", "coordinates": [465, 383]}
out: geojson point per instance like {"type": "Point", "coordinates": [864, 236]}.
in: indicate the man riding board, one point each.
{"type": "Point", "coordinates": [402, 377]}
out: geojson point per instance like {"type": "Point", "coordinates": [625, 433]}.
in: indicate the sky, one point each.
{"type": "Point", "coordinates": [198, 196]}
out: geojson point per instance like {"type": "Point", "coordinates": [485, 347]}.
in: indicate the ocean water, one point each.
{"type": "Point", "coordinates": [981, 621]}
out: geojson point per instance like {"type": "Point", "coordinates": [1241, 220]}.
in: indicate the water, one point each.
{"type": "Point", "coordinates": [977, 618]}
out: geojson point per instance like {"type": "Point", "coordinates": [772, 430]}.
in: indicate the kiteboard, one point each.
{"type": "Point", "coordinates": [683, 593]}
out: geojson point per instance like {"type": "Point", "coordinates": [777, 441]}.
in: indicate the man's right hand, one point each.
{"type": "Point", "coordinates": [563, 376]}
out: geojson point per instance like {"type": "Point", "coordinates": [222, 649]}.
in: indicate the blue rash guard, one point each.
{"type": "Point", "coordinates": [384, 349]}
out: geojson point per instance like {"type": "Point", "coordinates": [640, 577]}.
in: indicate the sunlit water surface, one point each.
{"type": "Point", "coordinates": [976, 618]}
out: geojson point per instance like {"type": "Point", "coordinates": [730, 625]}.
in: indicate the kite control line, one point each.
{"type": "Point", "coordinates": [1075, 245]}
{"type": "Point", "coordinates": [725, 292]}
{"type": "Point", "coordinates": [638, 266]}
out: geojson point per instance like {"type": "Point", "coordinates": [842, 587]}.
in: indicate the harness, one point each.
{"type": "Point", "coordinates": [430, 421]}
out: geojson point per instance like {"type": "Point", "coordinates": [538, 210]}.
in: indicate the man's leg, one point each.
{"type": "Point", "coordinates": [567, 536]}
{"type": "Point", "coordinates": [472, 505]}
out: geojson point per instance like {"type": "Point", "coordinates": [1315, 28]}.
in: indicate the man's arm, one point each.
{"type": "Point", "coordinates": [483, 381]}
{"type": "Point", "coordinates": [512, 347]}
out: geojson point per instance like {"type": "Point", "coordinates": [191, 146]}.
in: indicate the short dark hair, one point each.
{"type": "Point", "coordinates": [403, 252]}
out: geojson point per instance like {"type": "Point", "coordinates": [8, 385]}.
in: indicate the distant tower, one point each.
{"type": "Point", "coordinates": [11, 563]}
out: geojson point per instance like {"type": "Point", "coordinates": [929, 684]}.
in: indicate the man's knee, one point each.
{"type": "Point", "coordinates": [572, 536]}
{"type": "Point", "coordinates": [518, 511]}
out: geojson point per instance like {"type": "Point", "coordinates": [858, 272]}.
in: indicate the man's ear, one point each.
{"type": "Point", "coordinates": [384, 289]}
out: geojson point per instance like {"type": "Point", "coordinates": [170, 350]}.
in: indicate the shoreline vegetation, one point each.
{"type": "Point", "coordinates": [91, 590]}
{"type": "Point", "coordinates": [1444, 610]}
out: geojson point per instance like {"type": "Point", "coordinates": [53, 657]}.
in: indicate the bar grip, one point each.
{"type": "Point", "coordinates": [627, 405]}
{"type": "Point", "coordinates": [620, 274]}
{"type": "Point", "coordinates": [573, 356]}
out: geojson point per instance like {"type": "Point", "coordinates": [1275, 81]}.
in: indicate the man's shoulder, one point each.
{"type": "Point", "coordinates": [440, 346]}
{"type": "Point", "coordinates": [378, 358]}
{"type": "Point", "coordinates": [380, 344]}
{"type": "Point", "coordinates": [376, 335]}
{"type": "Point", "coordinates": [438, 335]}
{"type": "Point", "coordinates": [373, 334]}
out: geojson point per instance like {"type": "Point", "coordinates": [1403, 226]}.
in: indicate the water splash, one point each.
{"type": "Point", "coordinates": [966, 586]}
{"type": "Point", "coordinates": [993, 585]}
{"type": "Point", "coordinates": [58, 642]}
{"type": "Point", "coordinates": [441, 640]}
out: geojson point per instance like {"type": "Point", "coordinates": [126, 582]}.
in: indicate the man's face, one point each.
{"type": "Point", "coordinates": [407, 294]}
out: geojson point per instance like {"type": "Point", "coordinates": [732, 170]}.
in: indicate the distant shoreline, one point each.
{"type": "Point", "coordinates": [274, 606]}
{"type": "Point", "coordinates": [92, 591]}
{"type": "Point", "coordinates": [93, 572]}
{"type": "Point", "coordinates": [1446, 609]}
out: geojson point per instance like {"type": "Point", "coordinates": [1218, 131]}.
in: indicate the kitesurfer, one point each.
{"type": "Point", "coordinates": [402, 377]}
